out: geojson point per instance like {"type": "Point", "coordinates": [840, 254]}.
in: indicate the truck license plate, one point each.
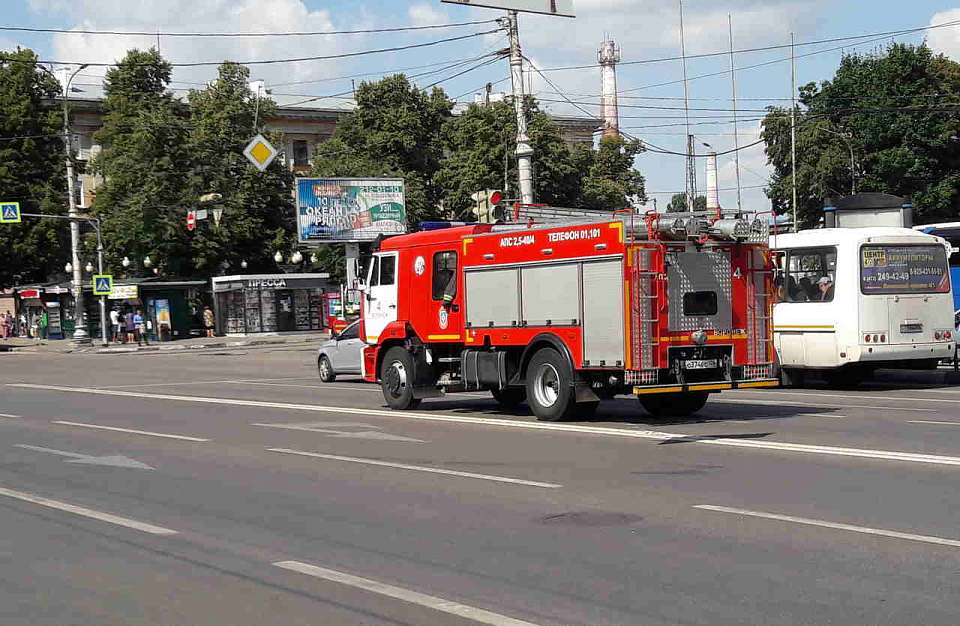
{"type": "Point", "coordinates": [700, 364]}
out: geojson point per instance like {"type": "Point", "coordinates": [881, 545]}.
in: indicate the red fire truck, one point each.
{"type": "Point", "coordinates": [561, 316]}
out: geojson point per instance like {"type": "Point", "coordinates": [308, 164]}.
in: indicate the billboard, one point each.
{"type": "Point", "coordinates": [349, 209]}
{"type": "Point", "coordinates": [562, 8]}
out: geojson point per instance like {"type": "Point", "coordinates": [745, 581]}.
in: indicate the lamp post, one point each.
{"type": "Point", "coordinates": [80, 335]}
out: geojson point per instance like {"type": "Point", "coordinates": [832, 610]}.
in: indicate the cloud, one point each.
{"type": "Point", "coordinates": [200, 15]}
{"type": "Point", "coordinates": [945, 40]}
{"type": "Point", "coordinates": [424, 14]}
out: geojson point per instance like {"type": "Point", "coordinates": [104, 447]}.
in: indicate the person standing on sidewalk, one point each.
{"type": "Point", "coordinates": [141, 328]}
{"type": "Point", "coordinates": [130, 327]}
{"type": "Point", "coordinates": [44, 325]}
{"type": "Point", "coordinates": [114, 325]}
{"type": "Point", "coordinates": [208, 321]}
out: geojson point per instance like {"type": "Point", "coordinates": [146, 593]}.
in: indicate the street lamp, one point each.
{"type": "Point", "coordinates": [89, 268]}
{"type": "Point", "coordinates": [243, 264]}
{"type": "Point", "coordinates": [125, 262]}
{"type": "Point", "coordinates": [68, 268]}
{"type": "Point", "coordinates": [147, 262]}
{"type": "Point", "coordinates": [296, 258]}
{"type": "Point", "coordinates": [278, 257]}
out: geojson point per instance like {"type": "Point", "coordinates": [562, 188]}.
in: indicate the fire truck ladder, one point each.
{"type": "Point", "coordinates": [759, 317]}
{"type": "Point", "coordinates": [646, 295]}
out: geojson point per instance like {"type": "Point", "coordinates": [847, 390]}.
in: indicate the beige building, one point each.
{"type": "Point", "coordinates": [302, 128]}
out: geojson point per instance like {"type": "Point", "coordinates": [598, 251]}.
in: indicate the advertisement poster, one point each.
{"type": "Point", "coordinates": [163, 314]}
{"type": "Point", "coordinates": [349, 209]}
{"type": "Point", "coordinates": [904, 269]}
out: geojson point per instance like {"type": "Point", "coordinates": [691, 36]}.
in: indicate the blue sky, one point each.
{"type": "Point", "coordinates": [645, 29]}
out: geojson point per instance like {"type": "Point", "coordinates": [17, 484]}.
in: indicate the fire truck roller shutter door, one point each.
{"type": "Point", "coordinates": [550, 294]}
{"type": "Point", "coordinates": [603, 314]}
{"type": "Point", "coordinates": [485, 309]}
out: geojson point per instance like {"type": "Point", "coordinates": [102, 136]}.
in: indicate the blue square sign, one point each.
{"type": "Point", "coordinates": [102, 284]}
{"type": "Point", "coordinates": [9, 212]}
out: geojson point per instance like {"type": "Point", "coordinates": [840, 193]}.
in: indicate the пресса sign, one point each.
{"type": "Point", "coordinates": [349, 209]}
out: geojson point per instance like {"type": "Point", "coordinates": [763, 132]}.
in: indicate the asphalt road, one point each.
{"type": "Point", "coordinates": [232, 487]}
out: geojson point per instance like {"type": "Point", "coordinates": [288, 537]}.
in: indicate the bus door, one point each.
{"type": "Point", "coordinates": [804, 319]}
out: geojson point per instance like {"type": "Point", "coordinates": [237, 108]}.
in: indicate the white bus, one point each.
{"type": "Point", "coordinates": [851, 300]}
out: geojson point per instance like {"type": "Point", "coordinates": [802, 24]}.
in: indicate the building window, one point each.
{"type": "Point", "coordinates": [301, 153]}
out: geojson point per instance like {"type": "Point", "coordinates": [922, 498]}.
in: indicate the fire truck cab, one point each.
{"type": "Point", "coordinates": [563, 316]}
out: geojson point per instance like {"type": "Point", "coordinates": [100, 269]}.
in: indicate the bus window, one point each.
{"type": "Point", "coordinates": [890, 269]}
{"type": "Point", "coordinates": [811, 275]}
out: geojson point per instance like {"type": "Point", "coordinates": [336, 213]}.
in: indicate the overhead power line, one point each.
{"type": "Point", "coordinates": [705, 55]}
{"type": "Point", "coordinates": [326, 57]}
{"type": "Point", "coordinates": [134, 33]}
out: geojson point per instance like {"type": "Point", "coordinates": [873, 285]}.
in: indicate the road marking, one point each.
{"type": "Point", "coordinates": [414, 597]}
{"type": "Point", "coordinates": [954, 543]}
{"type": "Point", "coordinates": [9, 416]}
{"type": "Point", "coordinates": [366, 387]}
{"type": "Point", "coordinates": [84, 512]}
{"type": "Point", "coordinates": [933, 422]}
{"type": "Point", "coordinates": [112, 460]}
{"type": "Point", "coordinates": [370, 432]}
{"type": "Point", "coordinates": [200, 382]}
{"type": "Point", "coordinates": [418, 468]}
{"type": "Point", "coordinates": [818, 406]}
{"type": "Point", "coordinates": [842, 395]}
{"type": "Point", "coordinates": [886, 455]}
{"type": "Point", "coordinates": [131, 431]}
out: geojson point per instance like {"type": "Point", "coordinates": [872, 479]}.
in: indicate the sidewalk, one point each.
{"type": "Point", "coordinates": [197, 343]}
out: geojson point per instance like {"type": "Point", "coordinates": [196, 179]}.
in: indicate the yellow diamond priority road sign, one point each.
{"type": "Point", "coordinates": [260, 152]}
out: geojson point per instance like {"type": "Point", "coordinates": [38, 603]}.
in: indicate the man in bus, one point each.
{"type": "Point", "coordinates": [825, 285]}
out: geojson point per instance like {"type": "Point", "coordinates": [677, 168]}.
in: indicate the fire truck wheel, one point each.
{"type": "Point", "coordinates": [549, 386]}
{"type": "Point", "coordinates": [396, 376]}
{"type": "Point", "coordinates": [325, 369]}
{"type": "Point", "coordinates": [674, 405]}
{"type": "Point", "coordinates": [510, 398]}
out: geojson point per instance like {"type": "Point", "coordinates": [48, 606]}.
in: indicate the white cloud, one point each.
{"type": "Point", "coordinates": [945, 40]}
{"type": "Point", "coordinates": [200, 16]}
{"type": "Point", "coordinates": [424, 14]}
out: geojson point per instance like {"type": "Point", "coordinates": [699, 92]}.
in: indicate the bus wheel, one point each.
{"type": "Point", "coordinates": [510, 398]}
{"type": "Point", "coordinates": [549, 386]}
{"type": "Point", "coordinates": [396, 379]}
{"type": "Point", "coordinates": [674, 405]}
{"type": "Point", "coordinates": [792, 377]}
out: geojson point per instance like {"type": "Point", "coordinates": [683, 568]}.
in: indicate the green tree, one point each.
{"type": "Point", "coordinates": [31, 170]}
{"type": "Point", "coordinates": [257, 207]}
{"type": "Point", "coordinates": [678, 203]}
{"type": "Point", "coordinates": [394, 131]}
{"type": "Point", "coordinates": [612, 182]}
{"type": "Point", "coordinates": [145, 164]}
{"type": "Point", "coordinates": [890, 106]}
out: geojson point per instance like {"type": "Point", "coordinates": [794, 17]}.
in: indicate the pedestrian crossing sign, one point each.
{"type": "Point", "coordinates": [9, 212]}
{"type": "Point", "coordinates": [102, 284]}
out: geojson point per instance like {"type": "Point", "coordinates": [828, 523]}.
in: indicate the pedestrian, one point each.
{"type": "Point", "coordinates": [23, 325]}
{"type": "Point", "coordinates": [140, 328]}
{"type": "Point", "coordinates": [208, 321]}
{"type": "Point", "coordinates": [130, 326]}
{"type": "Point", "coordinates": [44, 325]}
{"type": "Point", "coordinates": [115, 325]}
{"type": "Point", "coordinates": [5, 325]}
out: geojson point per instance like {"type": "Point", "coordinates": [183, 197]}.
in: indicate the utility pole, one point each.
{"type": "Point", "coordinates": [80, 335]}
{"type": "Point", "coordinates": [691, 161]}
{"type": "Point", "coordinates": [793, 126]}
{"type": "Point", "coordinates": [736, 129]}
{"type": "Point", "coordinates": [524, 149]}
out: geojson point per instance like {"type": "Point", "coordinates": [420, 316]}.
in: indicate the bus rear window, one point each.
{"type": "Point", "coordinates": [903, 269]}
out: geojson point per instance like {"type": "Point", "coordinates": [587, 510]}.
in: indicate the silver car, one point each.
{"type": "Point", "coordinates": [342, 354]}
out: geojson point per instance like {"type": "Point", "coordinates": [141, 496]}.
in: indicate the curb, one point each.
{"type": "Point", "coordinates": [207, 346]}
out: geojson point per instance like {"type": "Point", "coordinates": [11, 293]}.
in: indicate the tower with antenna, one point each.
{"type": "Point", "coordinates": [609, 56]}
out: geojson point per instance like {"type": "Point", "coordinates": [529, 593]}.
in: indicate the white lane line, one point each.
{"type": "Point", "coordinates": [886, 455]}
{"type": "Point", "coordinates": [941, 541]}
{"type": "Point", "coordinates": [418, 468]}
{"type": "Point", "coordinates": [933, 422]}
{"type": "Point", "coordinates": [200, 382]}
{"type": "Point", "coordinates": [8, 415]}
{"type": "Point", "coordinates": [366, 387]}
{"type": "Point", "coordinates": [818, 394]}
{"type": "Point", "coordinates": [399, 593]}
{"type": "Point", "coordinates": [131, 431]}
{"type": "Point", "coordinates": [90, 513]}
{"type": "Point", "coordinates": [812, 405]}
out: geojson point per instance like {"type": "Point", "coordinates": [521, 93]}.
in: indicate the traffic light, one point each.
{"type": "Point", "coordinates": [485, 203]}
